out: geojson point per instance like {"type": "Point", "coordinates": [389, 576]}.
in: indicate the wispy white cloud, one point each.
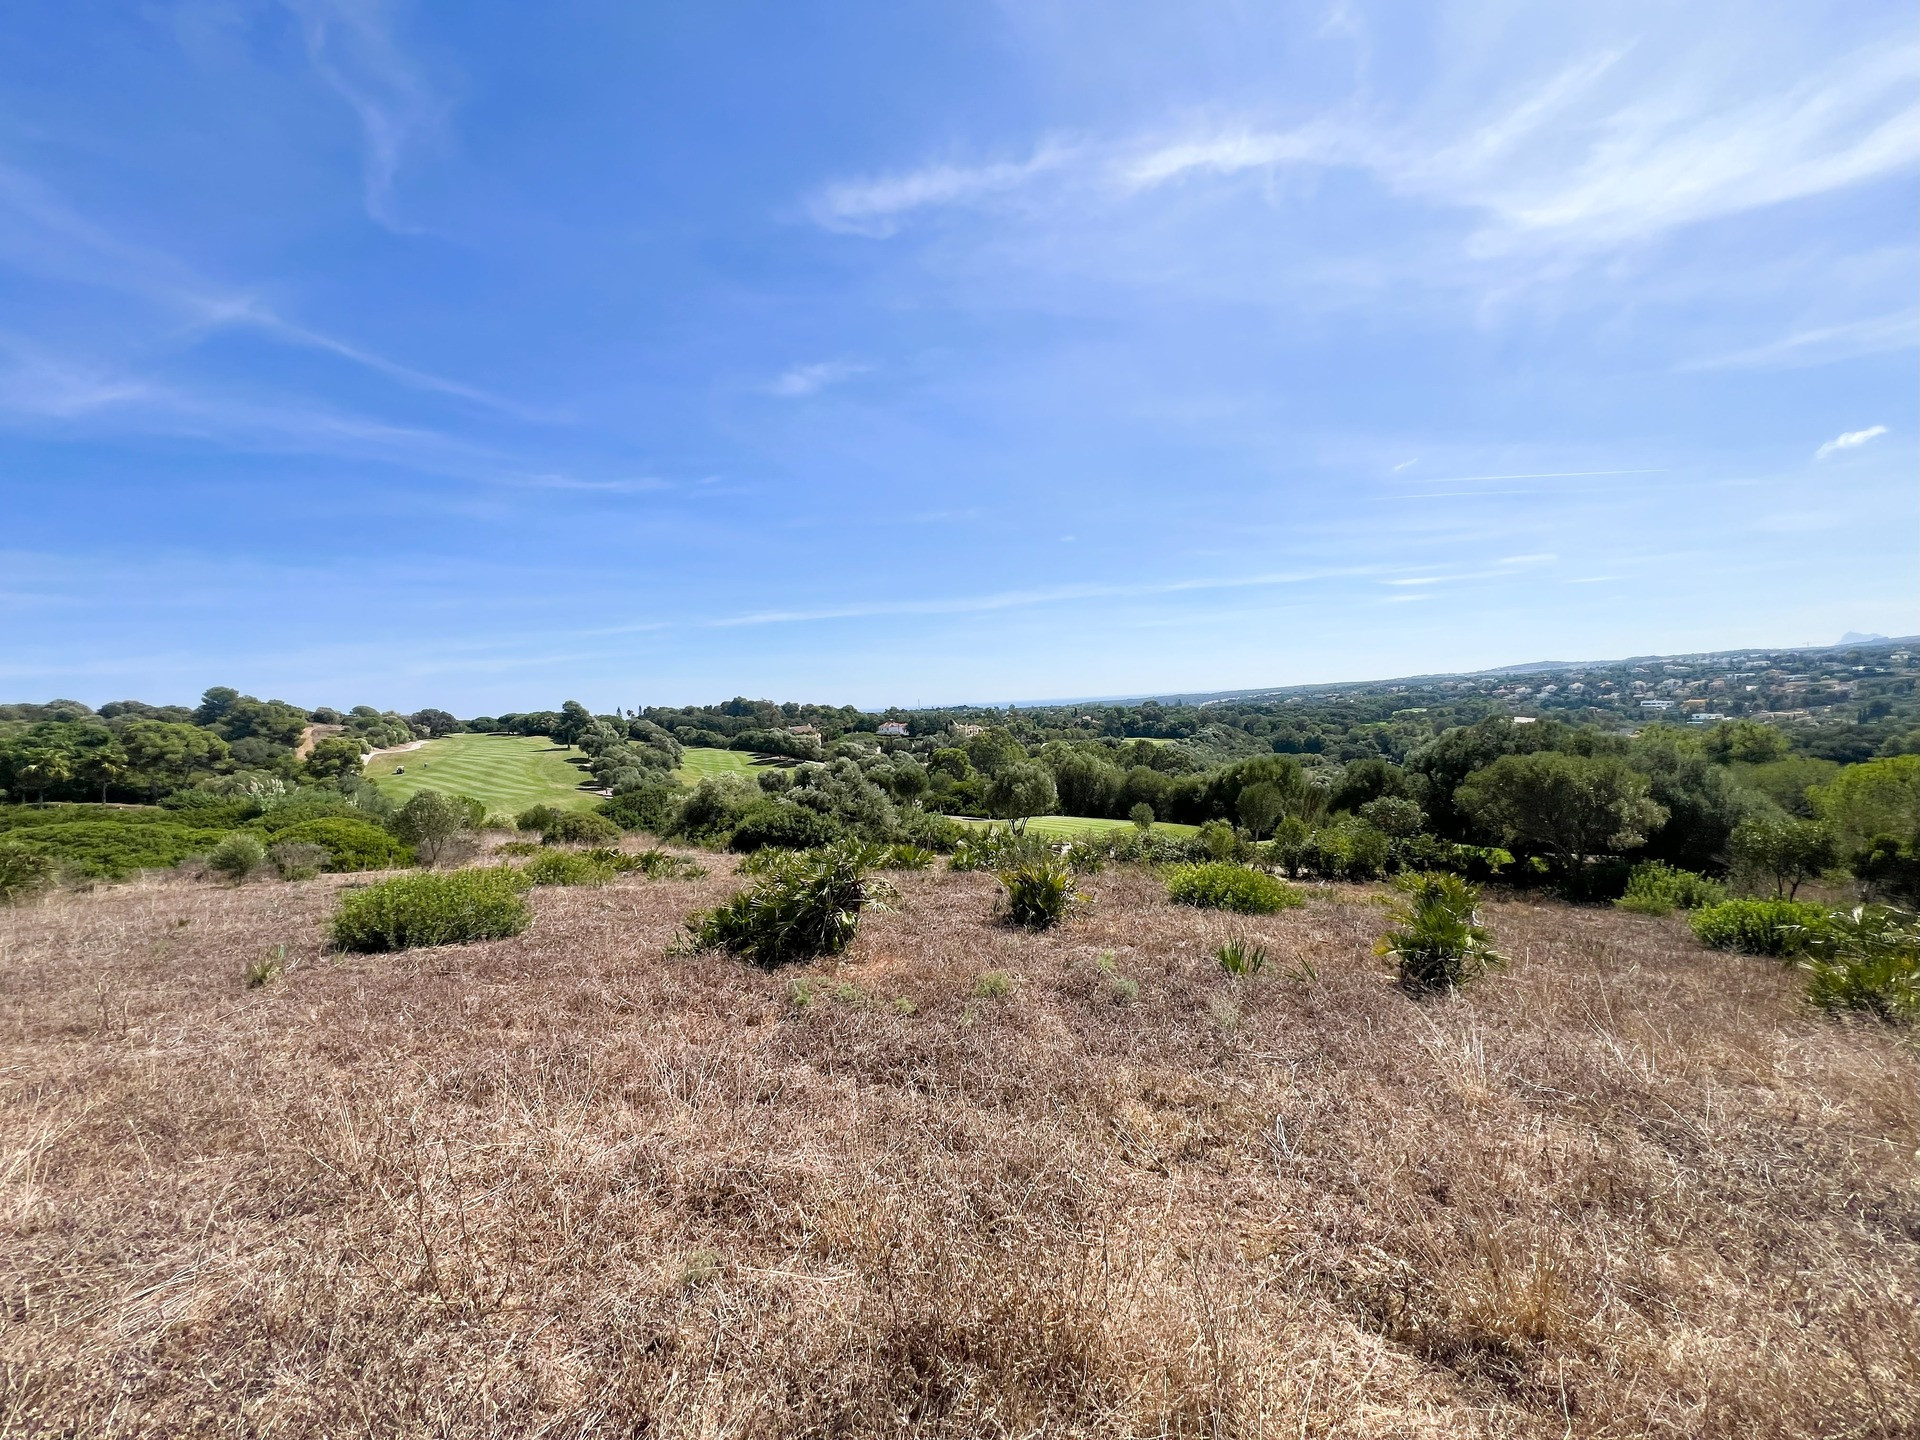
{"type": "Point", "coordinates": [1600, 153]}
{"type": "Point", "coordinates": [875, 206]}
{"type": "Point", "coordinates": [1049, 595]}
{"type": "Point", "coordinates": [1819, 346]}
{"type": "Point", "coordinates": [804, 380]}
{"type": "Point", "coordinates": [351, 46]}
{"type": "Point", "coordinates": [1851, 440]}
{"type": "Point", "coordinates": [641, 485]}
{"type": "Point", "coordinates": [42, 389]}
{"type": "Point", "coordinates": [34, 384]}
{"type": "Point", "coordinates": [1649, 161]}
{"type": "Point", "coordinates": [42, 235]}
{"type": "Point", "coordinates": [1232, 151]}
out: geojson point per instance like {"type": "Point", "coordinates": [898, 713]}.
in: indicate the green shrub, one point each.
{"type": "Point", "coordinates": [446, 908]}
{"type": "Point", "coordinates": [1439, 942]}
{"type": "Point", "coordinates": [783, 825]}
{"type": "Point", "coordinates": [24, 873]}
{"type": "Point", "coordinates": [1659, 889]}
{"type": "Point", "coordinates": [569, 867]}
{"type": "Point", "coordinates": [1220, 841]}
{"type": "Point", "coordinates": [904, 857]}
{"type": "Point", "coordinates": [102, 844]}
{"type": "Point", "coordinates": [647, 807]}
{"type": "Point", "coordinates": [1241, 958]}
{"type": "Point", "coordinates": [277, 812]}
{"type": "Point", "coordinates": [1039, 889]}
{"type": "Point", "coordinates": [431, 822]}
{"type": "Point", "coordinates": [928, 830]}
{"type": "Point", "coordinates": [1888, 868]}
{"type": "Point", "coordinates": [1866, 959]}
{"type": "Point", "coordinates": [992, 985]}
{"type": "Point", "coordinates": [1121, 846]}
{"type": "Point", "coordinates": [350, 844]}
{"type": "Point", "coordinates": [521, 848]}
{"type": "Point", "coordinates": [807, 904]}
{"type": "Point", "coordinates": [237, 856]}
{"type": "Point", "coordinates": [1346, 848]}
{"type": "Point", "coordinates": [1475, 863]}
{"type": "Point", "coordinates": [297, 859]}
{"type": "Point", "coordinates": [708, 815]}
{"type": "Point", "coordinates": [579, 827]}
{"type": "Point", "coordinates": [1759, 927]}
{"type": "Point", "coordinates": [1223, 886]}
{"type": "Point", "coordinates": [654, 864]}
{"type": "Point", "coordinates": [535, 819]}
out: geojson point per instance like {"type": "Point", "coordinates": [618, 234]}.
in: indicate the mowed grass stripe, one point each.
{"type": "Point", "coordinates": [698, 762]}
{"type": "Point", "coordinates": [1076, 827]}
{"type": "Point", "coordinates": [506, 773]}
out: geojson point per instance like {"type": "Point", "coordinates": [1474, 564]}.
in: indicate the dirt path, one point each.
{"type": "Point", "coordinates": [312, 736]}
{"type": "Point", "coordinates": [391, 750]}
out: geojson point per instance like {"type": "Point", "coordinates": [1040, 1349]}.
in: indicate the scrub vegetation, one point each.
{"type": "Point", "coordinates": [1143, 1070]}
{"type": "Point", "coordinates": [1152, 1170]}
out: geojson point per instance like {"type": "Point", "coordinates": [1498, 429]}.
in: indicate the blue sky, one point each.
{"type": "Point", "coordinates": [483, 354]}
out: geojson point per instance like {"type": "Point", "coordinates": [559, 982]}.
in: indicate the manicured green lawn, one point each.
{"type": "Point", "coordinates": [698, 763]}
{"type": "Point", "coordinates": [1072, 827]}
{"type": "Point", "coordinates": [506, 773]}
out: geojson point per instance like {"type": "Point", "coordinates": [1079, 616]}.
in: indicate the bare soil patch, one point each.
{"type": "Point", "coordinates": [570, 1183]}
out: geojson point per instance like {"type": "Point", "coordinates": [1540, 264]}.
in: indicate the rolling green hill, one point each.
{"type": "Point", "coordinates": [506, 773]}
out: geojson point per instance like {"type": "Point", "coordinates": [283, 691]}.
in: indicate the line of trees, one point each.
{"type": "Point", "coordinates": [1573, 801]}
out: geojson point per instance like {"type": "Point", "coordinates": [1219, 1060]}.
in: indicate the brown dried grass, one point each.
{"type": "Point", "coordinates": [570, 1184]}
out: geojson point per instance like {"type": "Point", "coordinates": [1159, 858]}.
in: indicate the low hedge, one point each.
{"type": "Point", "coordinates": [437, 908]}
{"type": "Point", "coordinates": [1225, 886]}
{"type": "Point", "coordinates": [570, 867]}
{"type": "Point", "coordinates": [350, 844]}
{"type": "Point", "coordinates": [1759, 927]}
{"type": "Point", "coordinates": [112, 849]}
{"type": "Point", "coordinates": [783, 825]}
{"type": "Point", "coordinates": [24, 873]}
{"type": "Point", "coordinates": [1657, 889]}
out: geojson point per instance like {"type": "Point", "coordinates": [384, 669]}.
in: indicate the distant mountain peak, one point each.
{"type": "Point", "coordinates": [1854, 637]}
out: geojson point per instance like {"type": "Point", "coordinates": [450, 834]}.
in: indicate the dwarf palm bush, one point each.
{"type": "Point", "coordinates": [444, 908]}
{"type": "Point", "coordinates": [654, 864]}
{"type": "Point", "coordinates": [1039, 889]}
{"type": "Point", "coordinates": [993, 847]}
{"type": "Point", "coordinates": [1222, 885]}
{"type": "Point", "coordinates": [1439, 942]}
{"type": "Point", "coordinates": [804, 905]}
{"type": "Point", "coordinates": [24, 873]}
{"type": "Point", "coordinates": [1241, 959]}
{"type": "Point", "coordinates": [1866, 959]}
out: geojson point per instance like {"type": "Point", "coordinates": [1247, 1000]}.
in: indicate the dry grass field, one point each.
{"type": "Point", "coordinates": [570, 1184]}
